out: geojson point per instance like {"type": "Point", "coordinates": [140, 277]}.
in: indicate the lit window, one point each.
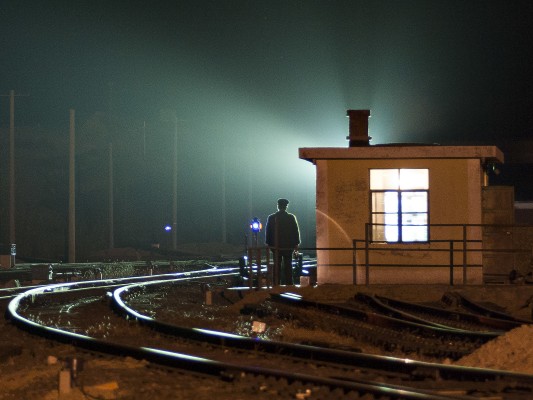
{"type": "Point", "coordinates": [399, 205]}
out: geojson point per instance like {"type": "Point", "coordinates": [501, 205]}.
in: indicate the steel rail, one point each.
{"type": "Point", "coordinates": [192, 363]}
{"type": "Point", "coordinates": [218, 338]}
{"type": "Point", "coordinates": [412, 368]}
{"type": "Point", "coordinates": [467, 303]}
{"type": "Point", "coordinates": [114, 282]}
{"type": "Point", "coordinates": [497, 323]}
{"type": "Point", "coordinates": [380, 319]}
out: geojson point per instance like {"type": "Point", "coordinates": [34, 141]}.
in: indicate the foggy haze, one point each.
{"type": "Point", "coordinates": [249, 82]}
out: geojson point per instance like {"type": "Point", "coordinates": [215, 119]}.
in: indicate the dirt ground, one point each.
{"type": "Point", "coordinates": [31, 368]}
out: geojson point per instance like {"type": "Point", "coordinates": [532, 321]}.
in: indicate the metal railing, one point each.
{"type": "Point", "coordinates": [461, 245]}
{"type": "Point", "coordinates": [456, 246]}
{"type": "Point", "coordinates": [464, 246]}
{"type": "Point", "coordinates": [259, 266]}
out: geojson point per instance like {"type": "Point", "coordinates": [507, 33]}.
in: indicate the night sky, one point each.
{"type": "Point", "coordinates": [251, 81]}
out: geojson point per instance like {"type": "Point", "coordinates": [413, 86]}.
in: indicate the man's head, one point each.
{"type": "Point", "coordinates": [282, 204]}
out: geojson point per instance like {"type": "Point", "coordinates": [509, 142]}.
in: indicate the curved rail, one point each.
{"type": "Point", "coordinates": [188, 362]}
{"type": "Point", "coordinates": [484, 311]}
{"type": "Point", "coordinates": [10, 293]}
{"type": "Point", "coordinates": [268, 346]}
{"type": "Point", "coordinates": [406, 367]}
{"type": "Point", "coordinates": [502, 324]}
{"type": "Point", "coordinates": [383, 320]}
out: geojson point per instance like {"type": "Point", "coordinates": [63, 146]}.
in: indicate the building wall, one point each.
{"type": "Point", "coordinates": [499, 259]}
{"type": "Point", "coordinates": [343, 210]}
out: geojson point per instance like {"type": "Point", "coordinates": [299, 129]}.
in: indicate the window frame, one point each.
{"type": "Point", "coordinates": [399, 213]}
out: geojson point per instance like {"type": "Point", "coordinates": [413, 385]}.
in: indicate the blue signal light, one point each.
{"type": "Point", "coordinates": [256, 225]}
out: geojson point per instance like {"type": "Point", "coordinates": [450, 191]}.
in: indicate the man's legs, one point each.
{"type": "Point", "coordinates": [276, 272]}
{"type": "Point", "coordinates": [286, 267]}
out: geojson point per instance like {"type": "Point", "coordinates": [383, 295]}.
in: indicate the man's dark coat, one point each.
{"type": "Point", "coordinates": [282, 230]}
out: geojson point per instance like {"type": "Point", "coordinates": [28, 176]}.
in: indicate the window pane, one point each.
{"type": "Point", "coordinates": [414, 201]}
{"type": "Point", "coordinates": [386, 202]}
{"type": "Point", "coordinates": [378, 202]}
{"type": "Point", "coordinates": [391, 233]}
{"type": "Point", "coordinates": [391, 202]}
{"type": "Point", "coordinates": [381, 179]}
{"type": "Point", "coordinates": [414, 179]}
{"type": "Point", "coordinates": [415, 219]}
{"type": "Point", "coordinates": [414, 234]}
{"type": "Point", "coordinates": [385, 227]}
{"type": "Point", "coordinates": [384, 234]}
{"type": "Point", "coordinates": [414, 227]}
{"type": "Point", "coordinates": [378, 229]}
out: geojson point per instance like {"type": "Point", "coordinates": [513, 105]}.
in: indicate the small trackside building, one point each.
{"type": "Point", "coordinates": [399, 213]}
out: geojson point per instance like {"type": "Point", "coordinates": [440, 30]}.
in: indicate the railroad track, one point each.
{"type": "Point", "coordinates": [400, 370]}
{"type": "Point", "coordinates": [343, 373]}
{"type": "Point", "coordinates": [482, 310]}
{"type": "Point", "coordinates": [69, 331]}
{"type": "Point", "coordinates": [114, 274]}
{"type": "Point", "coordinates": [479, 318]}
{"type": "Point", "coordinates": [361, 320]}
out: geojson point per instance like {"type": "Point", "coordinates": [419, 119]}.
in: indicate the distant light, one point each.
{"type": "Point", "coordinates": [256, 225]}
{"type": "Point", "coordinates": [168, 228]}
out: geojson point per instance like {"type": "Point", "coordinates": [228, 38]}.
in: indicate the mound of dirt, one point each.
{"type": "Point", "coordinates": [512, 351]}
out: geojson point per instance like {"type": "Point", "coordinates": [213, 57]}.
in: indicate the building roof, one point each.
{"type": "Point", "coordinates": [402, 151]}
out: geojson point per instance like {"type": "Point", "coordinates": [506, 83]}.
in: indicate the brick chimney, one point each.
{"type": "Point", "coordinates": [358, 127]}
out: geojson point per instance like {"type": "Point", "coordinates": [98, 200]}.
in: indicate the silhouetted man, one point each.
{"type": "Point", "coordinates": [283, 237]}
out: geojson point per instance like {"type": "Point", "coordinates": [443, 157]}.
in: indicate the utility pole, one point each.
{"type": "Point", "coordinates": [144, 141]}
{"type": "Point", "coordinates": [224, 232]}
{"type": "Point", "coordinates": [111, 209]}
{"type": "Point", "coordinates": [72, 191]}
{"type": "Point", "coordinates": [12, 167]}
{"type": "Point", "coordinates": [12, 237]}
{"type": "Point", "coordinates": [175, 189]}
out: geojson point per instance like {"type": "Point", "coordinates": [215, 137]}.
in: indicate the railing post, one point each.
{"type": "Point", "coordinates": [367, 252]}
{"type": "Point", "coordinates": [464, 254]}
{"type": "Point", "coordinates": [250, 268]}
{"type": "Point", "coordinates": [269, 268]}
{"type": "Point", "coordinates": [258, 263]}
{"type": "Point", "coordinates": [354, 262]}
{"type": "Point", "coordinates": [451, 262]}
